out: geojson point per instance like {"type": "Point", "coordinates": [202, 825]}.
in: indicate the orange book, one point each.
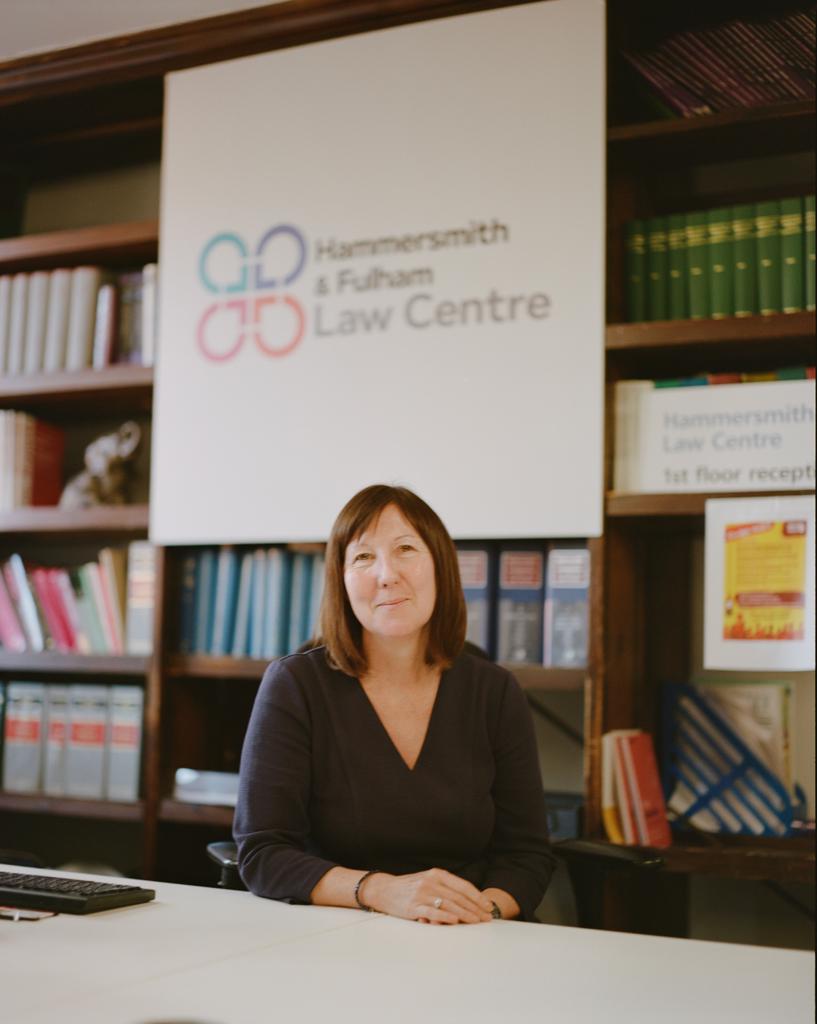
{"type": "Point", "coordinates": [644, 790]}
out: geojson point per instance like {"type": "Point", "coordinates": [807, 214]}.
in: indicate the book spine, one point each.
{"type": "Point", "coordinates": [279, 592]}
{"type": "Point", "coordinates": [697, 265]}
{"type": "Point", "coordinates": [792, 244]}
{"type": "Point", "coordinates": [241, 632]}
{"type": "Point", "coordinates": [85, 753]}
{"type": "Point", "coordinates": [679, 99]}
{"type": "Point", "coordinates": [56, 331]}
{"type": "Point", "coordinates": [745, 50]}
{"type": "Point", "coordinates": [55, 739]}
{"type": "Point", "coordinates": [187, 604]}
{"type": "Point", "coordinates": [12, 635]}
{"type": "Point", "coordinates": [566, 625]}
{"type": "Point", "coordinates": [105, 319]}
{"type": "Point", "coordinates": [23, 737]}
{"type": "Point", "coordinates": [810, 260]}
{"type": "Point", "coordinates": [85, 283]}
{"type": "Point", "coordinates": [65, 601]}
{"type": "Point", "coordinates": [636, 247]}
{"type": "Point", "coordinates": [478, 577]}
{"type": "Point", "coordinates": [258, 606]}
{"type": "Point", "coordinates": [520, 606]}
{"type": "Point", "coordinates": [141, 597]}
{"type": "Point", "coordinates": [5, 317]}
{"type": "Point", "coordinates": [783, 81]}
{"type": "Point", "coordinates": [45, 464]}
{"type": "Point", "coordinates": [644, 787]}
{"type": "Point", "coordinates": [744, 262]}
{"type": "Point", "coordinates": [225, 600]}
{"type": "Point", "coordinates": [21, 592]}
{"type": "Point", "coordinates": [17, 324]}
{"type": "Point", "coordinates": [42, 592]}
{"type": "Point", "coordinates": [205, 603]}
{"type": "Point", "coordinates": [86, 608]}
{"type": "Point", "coordinates": [124, 743]}
{"type": "Point", "coordinates": [767, 233]}
{"type": "Point", "coordinates": [657, 269]}
{"type": "Point", "coordinates": [315, 594]}
{"type": "Point", "coordinates": [91, 577]}
{"type": "Point", "coordinates": [721, 281]}
{"type": "Point", "coordinates": [679, 69]}
{"type": "Point", "coordinates": [150, 308]}
{"type": "Point", "coordinates": [36, 318]}
{"type": "Point", "coordinates": [677, 244]}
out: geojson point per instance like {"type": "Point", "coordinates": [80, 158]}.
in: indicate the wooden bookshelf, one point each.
{"type": "Point", "coordinates": [675, 505]}
{"type": "Point", "coordinates": [80, 392]}
{"type": "Point", "coordinates": [736, 331]}
{"type": "Point", "coordinates": [53, 521]}
{"type": "Point", "coordinates": [196, 814]}
{"type": "Point", "coordinates": [69, 807]}
{"type": "Point", "coordinates": [110, 244]}
{"type": "Point", "coordinates": [65, 664]}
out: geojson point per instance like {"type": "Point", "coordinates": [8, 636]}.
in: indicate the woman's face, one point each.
{"type": "Point", "coordinates": [389, 577]}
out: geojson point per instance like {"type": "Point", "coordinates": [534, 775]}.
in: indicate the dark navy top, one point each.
{"type": "Point", "coordinates": [322, 784]}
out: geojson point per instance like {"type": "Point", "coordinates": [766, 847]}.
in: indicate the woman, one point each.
{"type": "Point", "coordinates": [387, 769]}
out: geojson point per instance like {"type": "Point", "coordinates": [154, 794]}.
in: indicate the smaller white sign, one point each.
{"type": "Point", "coordinates": [724, 437]}
{"type": "Point", "coordinates": [759, 584]}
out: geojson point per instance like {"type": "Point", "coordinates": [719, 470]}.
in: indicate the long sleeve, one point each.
{"type": "Point", "coordinates": [520, 860]}
{"type": "Point", "coordinates": [272, 826]}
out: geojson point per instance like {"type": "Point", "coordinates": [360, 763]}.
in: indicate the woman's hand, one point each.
{"type": "Point", "coordinates": [433, 897]}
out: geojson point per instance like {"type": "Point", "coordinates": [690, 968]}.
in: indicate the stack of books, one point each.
{"type": "Point", "coordinates": [744, 62]}
{"type": "Point", "coordinates": [100, 607]}
{"type": "Point", "coordinates": [249, 602]}
{"type": "Point", "coordinates": [75, 318]}
{"type": "Point", "coordinates": [754, 258]}
{"type": "Point", "coordinates": [72, 740]}
{"type": "Point", "coordinates": [31, 461]}
{"type": "Point", "coordinates": [527, 602]}
{"type": "Point", "coordinates": [632, 801]}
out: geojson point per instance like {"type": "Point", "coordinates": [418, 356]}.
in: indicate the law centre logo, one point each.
{"type": "Point", "coordinates": [253, 303]}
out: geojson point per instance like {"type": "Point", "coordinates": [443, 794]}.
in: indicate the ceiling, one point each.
{"type": "Point", "coordinates": [36, 26]}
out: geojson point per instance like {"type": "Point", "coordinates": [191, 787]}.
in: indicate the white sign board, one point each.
{"type": "Point", "coordinates": [381, 259]}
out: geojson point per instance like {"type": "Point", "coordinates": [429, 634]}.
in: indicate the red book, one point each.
{"type": "Point", "coordinates": [65, 605]}
{"type": "Point", "coordinates": [42, 466]}
{"type": "Point", "coordinates": [12, 636]}
{"type": "Point", "coordinates": [644, 787]}
{"type": "Point", "coordinates": [42, 592]}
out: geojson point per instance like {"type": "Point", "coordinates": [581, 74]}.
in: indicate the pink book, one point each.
{"type": "Point", "coordinates": [12, 636]}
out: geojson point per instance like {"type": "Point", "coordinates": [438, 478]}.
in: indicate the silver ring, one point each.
{"type": "Point", "coordinates": [438, 902]}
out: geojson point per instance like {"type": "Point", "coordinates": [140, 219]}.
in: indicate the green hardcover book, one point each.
{"type": "Point", "coordinates": [791, 254]}
{"type": "Point", "coordinates": [809, 262]}
{"type": "Point", "coordinates": [745, 264]}
{"type": "Point", "coordinates": [721, 280]}
{"type": "Point", "coordinates": [636, 244]}
{"type": "Point", "coordinates": [657, 269]}
{"type": "Point", "coordinates": [767, 234]}
{"type": "Point", "coordinates": [677, 245]}
{"type": "Point", "coordinates": [697, 265]}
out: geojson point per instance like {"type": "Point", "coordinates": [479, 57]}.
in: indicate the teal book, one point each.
{"type": "Point", "coordinates": [792, 244]}
{"type": "Point", "coordinates": [744, 259]}
{"type": "Point", "coordinates": [258, 602]}
{"type": "Point", "coordinates": [205, 601]}
{"type": "Point", "coordinates": [636, 246]}
{"type": "Point", "coordinates": [657, 269]}
{"type": "Point", "coordinates": [677, 247]}
{"type": "Point", "coordinates": [299, 601]}
{"type": "Point", "coordinates": [226, 596]}
{"type": "Point", "coordinates": [809, 260]}
{"type": "Point", "coordinates": [769, 278]}
{"type": "Point", "coordinates": [278, 591]}
{"type": "Point", "coordinates": [240, 647]}
{"type": "Point", "coordinates": [697, 265]}
{"type": "Point", "coordinates": [721, 281]}
{"type": "Point", "coordinates": [187, 603]}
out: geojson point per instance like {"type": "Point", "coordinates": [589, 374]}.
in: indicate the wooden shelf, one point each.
{"type": "Point", "coordinates": [69, 807]}
{"type": "Point", "coordinates": [74, 664]}
{"type": "Point", "coordinates": [685, 504]}
{"type": "Point", "coordinates": [737, 330]}
{"type": "Point", "coordinates": [110, 244]}
{"type": "Point", "coordinates": [196, 814]}
{"type": "Point", "coordinates": [205, 666]}
{"type": "Point", "coordinates": [59, 522]}
{"type": "Point", "coordinates": [730, 135]}
{"type": "Point", "coordinates": [80, 391]}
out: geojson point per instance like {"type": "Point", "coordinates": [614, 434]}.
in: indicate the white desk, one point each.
{"type": "Point", "coordinates": [230, 958]}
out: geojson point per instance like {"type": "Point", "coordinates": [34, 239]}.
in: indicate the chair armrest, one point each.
{"type": "Point", "coordinates": [611, 852]}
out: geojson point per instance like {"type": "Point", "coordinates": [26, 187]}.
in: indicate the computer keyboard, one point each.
{"type": "Point", "coordinates": [67, 895]}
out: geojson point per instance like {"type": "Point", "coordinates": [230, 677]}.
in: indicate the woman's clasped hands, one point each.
{"type": "Point", "coordinates": [432, 897]}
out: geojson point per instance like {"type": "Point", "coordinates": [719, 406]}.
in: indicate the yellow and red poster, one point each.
{"type": "Point", "coordinates": [759, 598]}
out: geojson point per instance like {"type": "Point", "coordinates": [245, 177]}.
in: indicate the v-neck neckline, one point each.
{"type": "Point", "coordinates": [411, 769]}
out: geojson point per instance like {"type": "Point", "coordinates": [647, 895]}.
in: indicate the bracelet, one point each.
{"type": "Point", "coordinates": [358, 883]}
{"type": "Point", "coordinates": [496, 913]}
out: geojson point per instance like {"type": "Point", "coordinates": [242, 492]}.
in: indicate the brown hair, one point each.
{"type": "Point", "coordinates": [340, 630]}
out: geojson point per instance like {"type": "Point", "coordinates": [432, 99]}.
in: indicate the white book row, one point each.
{"type": "Point", "coordinates": [77, 740]}
{"type": "Point", "coordinates": [76, 318]}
